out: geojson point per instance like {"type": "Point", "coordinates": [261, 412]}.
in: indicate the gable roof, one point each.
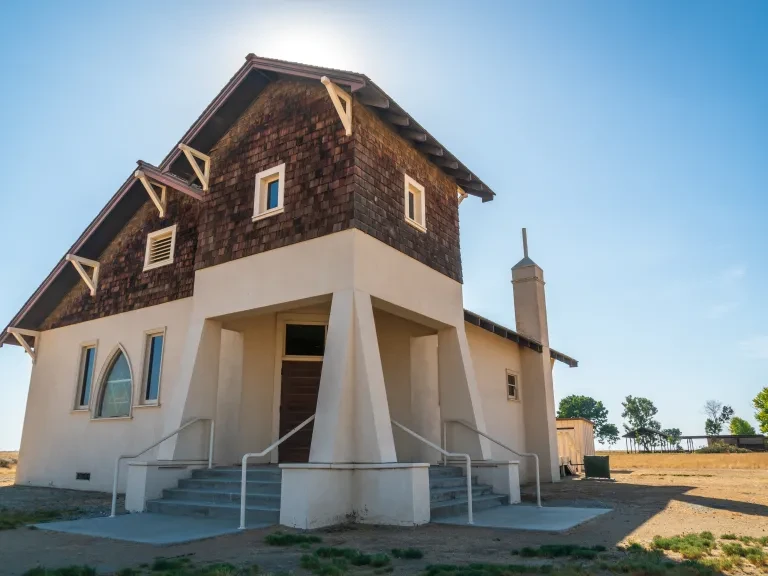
{"type": "Point", "coordinates": [211, 125]}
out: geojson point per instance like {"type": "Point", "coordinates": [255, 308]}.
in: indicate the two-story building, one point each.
{"type": "Point", "coordinates": [295, 255]}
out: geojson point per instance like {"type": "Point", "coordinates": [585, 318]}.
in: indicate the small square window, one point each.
{"type": "Point", "coordinates": [85, 376]}
{"type": "Point", "coordinates": [153, 362]}
{"type": "Point", "coordinates": [513, 386]}
{"type": "Point", "coordinates": [305, 340]}
{"type": "Point", "coordinates": [270, 189]}
{"type": "Point", "coordinates": [415, 204]}
{"type": "Point", "coordinates": [160, 248]}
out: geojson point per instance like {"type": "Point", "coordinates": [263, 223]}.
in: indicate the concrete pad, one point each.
{"type": "Point", "coordinates": [525, 517]}
{"type": "Point", "coordinates": [148, 528]}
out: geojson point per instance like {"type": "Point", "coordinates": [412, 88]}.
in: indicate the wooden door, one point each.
{"type": "Point", "coordinates": [298, 401]}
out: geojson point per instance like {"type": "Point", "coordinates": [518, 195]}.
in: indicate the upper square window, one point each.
{"type": "Point", "coordinates": [270, 189]}
{"type": "Point", "coordinates": [160, 248]}
{"type": "Point", "coordinates": [415, 204]}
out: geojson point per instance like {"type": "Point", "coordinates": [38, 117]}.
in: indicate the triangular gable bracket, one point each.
{"type": "Point", "coordinates": [160, 202]}
{"type": "Point", "coordinates": [192, 155]}
{"type": "Point", "coordinates": [337, 95]}
{"type": "Point", "coordinates": [19, 334]}
{"type": "Point", "coordinates": [92, 281]}
{"type": "Point", "coordinates": [461, 195]}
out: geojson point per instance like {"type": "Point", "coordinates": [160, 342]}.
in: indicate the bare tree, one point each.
{"type": "Point", "coordinates": [712, 409]}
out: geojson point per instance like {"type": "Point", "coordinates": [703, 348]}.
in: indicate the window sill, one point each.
{"type": "Point", "coordinates": [116, 418]}
{"type": "Point", "coordinates": [157, 265]}
{"type": "Point", "coordinates": [268, 213]}
{"type": "Point", "coordinates": [512, 399]}
{"type": "Point", "coordinates": [156, 405]}
{"type": "Point", "coordinates": [416, 225]}
{"type": "Point", "coordinates": [85, 410]}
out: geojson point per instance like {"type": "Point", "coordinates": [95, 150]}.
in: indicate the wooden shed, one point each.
{"type": "Point", "coordinates": [575, 439]}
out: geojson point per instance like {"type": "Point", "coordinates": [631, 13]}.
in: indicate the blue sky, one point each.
{"type": "Point", "coordinates": [629, 138]}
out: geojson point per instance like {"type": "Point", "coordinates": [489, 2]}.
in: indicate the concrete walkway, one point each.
{"type": "Point", "coordinates": [526, 517]}
{"type": "Point", "coordinates": [147, 528]}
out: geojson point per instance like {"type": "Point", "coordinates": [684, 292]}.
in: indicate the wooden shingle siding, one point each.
{"type": "Point", "coordinates": [292, 123]}
{"type": "Point", "coordinates": [382, 158]}
{"type": "Point", "coordinates": [123, 284]}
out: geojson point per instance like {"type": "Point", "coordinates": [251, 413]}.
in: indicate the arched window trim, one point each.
{"type": "Point", "coordinates": [102, 382]}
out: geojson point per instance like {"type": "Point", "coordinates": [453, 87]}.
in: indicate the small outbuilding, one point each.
{"type": "Point", "coordinates": [575, 439]}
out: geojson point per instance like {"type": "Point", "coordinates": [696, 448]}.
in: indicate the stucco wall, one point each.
{"type": "Point", "coordinates": [57, 442]}
{"type": "Point", "coordinates": [492, 357]}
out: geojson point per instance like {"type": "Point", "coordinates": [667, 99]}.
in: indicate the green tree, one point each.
{"type": "Point", "coordinates": [717, 416]}
{"type": "Point", "coordinates": [639, 413]}
{"type": "Point", "coordinates": [673, 437]}
{"type": "Point", "coordinates": [740, 427]}
{"type": "Point", "coordinates": [761, 405]}
{"type": "Point", "coordinates": [585, 407]}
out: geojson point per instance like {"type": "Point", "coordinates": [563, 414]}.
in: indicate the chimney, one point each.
{"type": "Point", "coordinates": [536, 386]}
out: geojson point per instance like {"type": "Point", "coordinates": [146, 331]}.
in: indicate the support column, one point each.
{"type": "Point", "coordinates": [459, 396]}
{"type": "Point", "coordinates": [352, 422]}
{"type": "Point", "coordinates": [194, 394]}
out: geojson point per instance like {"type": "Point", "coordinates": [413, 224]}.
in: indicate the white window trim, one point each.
{"type": "Point", "coordinates": [102, 382]}
{"type": "Point", "coordinates": [141, 401]}
{"type": "Point", "coordinates": [150, 236]}
{"type": "Point", "coordinates": [79, 383]}
{"type": "Point", "coordinates": [515, 398]}
{"type": "Point", "coordinates": [411, 183]}
{"type": "Point", "coordinates": [262, 179]}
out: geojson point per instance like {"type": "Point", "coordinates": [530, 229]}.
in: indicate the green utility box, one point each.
{"type": "Point", "coordinates": [597, 467]}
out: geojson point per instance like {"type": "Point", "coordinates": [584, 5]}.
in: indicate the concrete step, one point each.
{"type": "Point", "coordinates": [445, 471]}
{"type": "Point", "coordinates": [458, 507]}
{"type": "Point", "coordinates": [450, 482]}
{"type": "Point", "coordinates": [227, 485]}
{"type": "Point", "coordinates": [443, 494]}
{"type": "Point", "coordinates": [267, 474]}
{"type": "Point", "coordinates": [253, 514]}
{"type": "Point", "coordinates": [221, 496]}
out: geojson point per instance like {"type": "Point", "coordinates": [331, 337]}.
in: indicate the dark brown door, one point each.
{"type": "Point", "coordinates": [298, 401]}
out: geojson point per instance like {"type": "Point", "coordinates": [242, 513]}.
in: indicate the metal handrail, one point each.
{"type": "Point", "coordinates": [468, 461]}
{"type": "Point", "coordinates": [264, 452]}
{"type": "Point", "coordinates": [163, 439]}
{"type": "Point", "coordinates": [529, 454]}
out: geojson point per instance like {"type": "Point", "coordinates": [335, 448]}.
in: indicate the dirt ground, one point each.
{"type": "Point", "coordinates": [645, 502]}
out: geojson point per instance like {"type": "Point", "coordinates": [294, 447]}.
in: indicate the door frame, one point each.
{"type": "Point", "coordinates": [277, 384]}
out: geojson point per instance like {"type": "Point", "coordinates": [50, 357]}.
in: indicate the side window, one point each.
{"type": "Point", "coordinates": [153, 363]}
{"type": "Point", "coordinates": [415, 204]}
{"type": "Point", "coordinates": [513, 386]}
{"type": "Point", "coordinates": [85, 376]}
{"type": "Point", "coordinates": [270, 189]}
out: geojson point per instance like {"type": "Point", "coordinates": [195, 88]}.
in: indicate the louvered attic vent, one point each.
{"type": "Point", "coordinates": [160, 247]}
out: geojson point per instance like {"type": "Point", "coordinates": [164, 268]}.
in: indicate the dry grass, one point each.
{"type": "Point", "coordinates": [753, 461]}
{"type": "Point", "coordinates": [8, 467]}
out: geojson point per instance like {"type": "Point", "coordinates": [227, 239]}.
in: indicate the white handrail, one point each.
{"type": "Point", "coordinates": [470, 518]}
{"type": "Point", "coordinates": [163, 439]}
{"type": "Point", "coordinates": [264, 452]}
{"type": "Point", "coordinates": [534, 456]}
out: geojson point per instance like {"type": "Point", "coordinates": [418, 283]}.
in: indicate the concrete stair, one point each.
{"type": "Point", "coordinates": [215, 493]}
{"type": "Point", "coordinates": [448, 493]}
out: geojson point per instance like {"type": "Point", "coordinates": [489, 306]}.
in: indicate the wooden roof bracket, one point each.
{"type": "Point", "coordinates": [192, 155]}
{"type": "Point", "coordinates": [337, 95]}
{"type": "Point", "coordinates": [19, 334]}
{"type": "Point", "coordinates": [160, 202]}
{"type": "Point", "coordinates": [92, 281]}
{"type": "Point", "coordinates": [461, 194]}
